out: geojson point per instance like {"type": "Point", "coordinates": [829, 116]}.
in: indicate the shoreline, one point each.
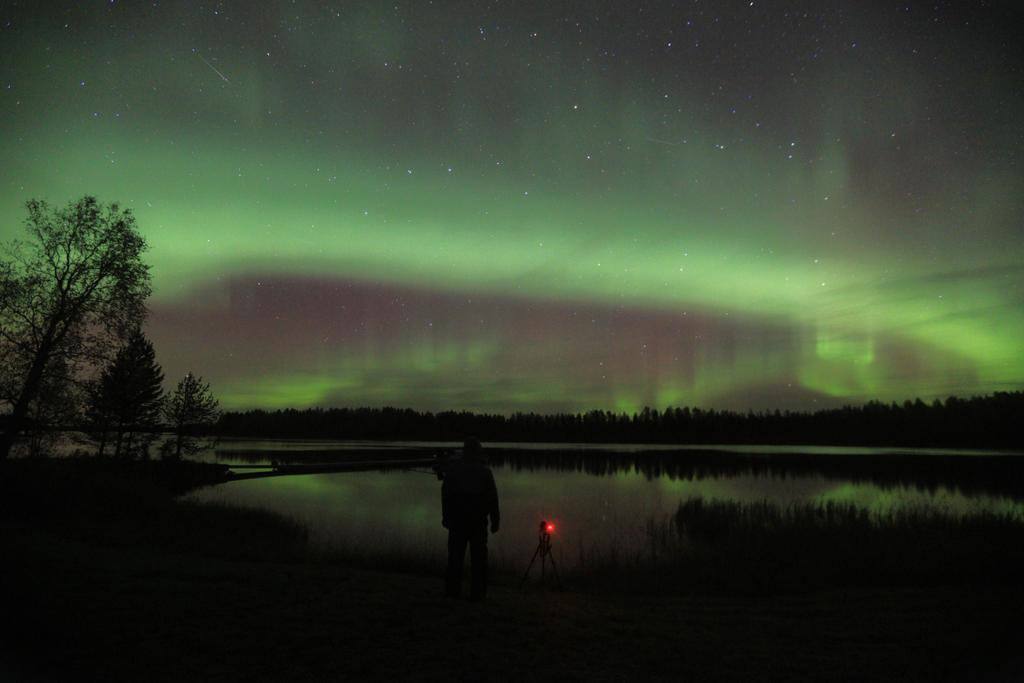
{"type": "Point", "coordinates": [130, 585]}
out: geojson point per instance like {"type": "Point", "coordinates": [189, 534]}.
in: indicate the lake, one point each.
{"type": "Point", "coordinates": [601, 499]}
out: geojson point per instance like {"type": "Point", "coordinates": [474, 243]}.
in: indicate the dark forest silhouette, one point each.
{"type": "Point", "coordinates": [984, 421]}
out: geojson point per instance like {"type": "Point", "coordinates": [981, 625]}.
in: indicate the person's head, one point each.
{"type": "Point", "coordinates": [472, 450]}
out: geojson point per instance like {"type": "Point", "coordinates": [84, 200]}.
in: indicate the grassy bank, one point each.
{"type": "Point", "coordinates": [115, 579]}
{"type": "Point", "coordinates": [725, 547]}
{"type": "Point", "coordinates": [133, 504]}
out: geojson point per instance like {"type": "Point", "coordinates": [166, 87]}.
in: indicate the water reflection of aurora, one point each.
{"type": "Point", "coordinates": [396, 513]}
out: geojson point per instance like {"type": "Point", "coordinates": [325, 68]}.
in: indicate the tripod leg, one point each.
{"type": "Point", "coordinates": [554, 570]}
{"type": "Point", "coordinates": [530, 566]}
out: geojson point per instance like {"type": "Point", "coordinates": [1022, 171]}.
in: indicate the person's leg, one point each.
{"type": "Point", "coordinates": [478, 553]}
{"type": "Point", "coordinates": [456, 555]}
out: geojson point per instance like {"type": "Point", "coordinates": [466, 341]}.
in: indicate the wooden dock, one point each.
{"type": "Point", "coordinates": [278, 470]}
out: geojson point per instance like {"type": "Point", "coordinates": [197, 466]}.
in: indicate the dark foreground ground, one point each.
{"type": "Point", "coordinates": [112, 596]}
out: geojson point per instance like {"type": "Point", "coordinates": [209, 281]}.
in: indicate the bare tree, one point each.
{"type": "Point", "coordinates": [70, 292]}
{"type": "Point", "coordinates": [188, 409]}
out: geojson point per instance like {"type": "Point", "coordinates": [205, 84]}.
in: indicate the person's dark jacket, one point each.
{"type": "Point", "coordinates": [469, 496]}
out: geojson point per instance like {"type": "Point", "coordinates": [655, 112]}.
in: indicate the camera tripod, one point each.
{"type": "Point", "coordinates": [543, 551]}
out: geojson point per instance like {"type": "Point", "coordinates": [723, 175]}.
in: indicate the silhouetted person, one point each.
{"type": "Point", "coordinates": [468, 498]}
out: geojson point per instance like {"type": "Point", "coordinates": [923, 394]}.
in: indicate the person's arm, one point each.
{"type": "Point", "coordinates": [492, 503]}
{"type": "Point", "coordinates": [444, 503]}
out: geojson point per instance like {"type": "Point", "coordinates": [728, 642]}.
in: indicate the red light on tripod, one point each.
{"type": "Point", "coordinates": [549, 528]}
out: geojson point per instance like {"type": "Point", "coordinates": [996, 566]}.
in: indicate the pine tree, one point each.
{"type": "Point", "coordinates": [125, 402]}
{"type": "Point", "coordinates": [189, 408]}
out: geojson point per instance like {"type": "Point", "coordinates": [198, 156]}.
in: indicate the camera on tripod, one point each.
{"type": "Point", "coordinates": [543, 551]}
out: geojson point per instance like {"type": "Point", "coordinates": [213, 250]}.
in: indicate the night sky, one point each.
{"type": "Point", "coordinates": [545, 206]}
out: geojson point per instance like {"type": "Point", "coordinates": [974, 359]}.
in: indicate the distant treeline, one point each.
{"type": "Point", "coordinates": [993, 421]}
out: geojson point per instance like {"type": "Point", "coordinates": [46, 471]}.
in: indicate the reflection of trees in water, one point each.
{"type": "Point", "coordinates": [993, 475]}
{"type": "Point", "coordinates": [972, 475]}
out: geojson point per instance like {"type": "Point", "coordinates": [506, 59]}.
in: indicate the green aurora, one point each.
{"type": "Point", "coordinates": [505, 210]}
